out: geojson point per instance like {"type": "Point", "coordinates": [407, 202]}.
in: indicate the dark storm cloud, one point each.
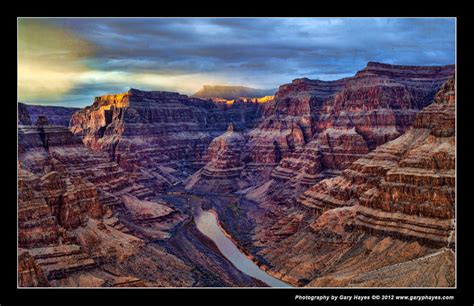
{"type": "Point", "coordinates": [297, 42]}
{"type": "Point", "coordinates": [263, 52]}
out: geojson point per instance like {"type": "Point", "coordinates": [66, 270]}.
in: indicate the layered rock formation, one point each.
{"type": "Point", "coordinates": [418, 193]}
{"type": "Point", "coordinates": [23, 115]}
{"type": "Point", "coordinates": [85, 221]}
{"type": "Point", "coordinates": [163, 135]}
{"type": "Point", "coordinates": [412, 175]}
{"type": "Point", "coordinates": [223, 167]}
{"type": "Point", "coordinates": [354, 184]}
{"type": "Point", "coordinates": [69, 210]}
{"type": "Point", "coordinates": [30, 273]}
{"type": "Point", "coordinates": [57, 115]}
{"type": "Point", "coordinates": [315, 129]}
{"type": "Point", "coordinates": [398, 198]}
{"type": "Point", "coordinates": [151, 220]}
{"type": "Point", "coordinates": [375, 106]}
{"type": "Point", "coordinates": [52, 204]}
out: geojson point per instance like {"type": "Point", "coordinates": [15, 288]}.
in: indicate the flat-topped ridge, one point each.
{"type": "Point", "coordinates": [230, 92]}
{"type": "Point", "coordinates": [138, 92]}
{"type": "Point", "coordinates": [414, 67]}
{"type": "Point", "coordinates": [121, 100]}
{"type": "Point", "coordinates": [417, 72]}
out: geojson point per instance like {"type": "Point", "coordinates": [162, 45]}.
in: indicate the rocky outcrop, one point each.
{"type": "Point", "coordinates": [418, 79]}
{"type": "Point", "coordinates": [47, 148]}
{"type": "Point", "coordinates": [57, 196]}
{"type": "Point", "coordinates": [416, 197]}
{"type": "Point", "coordinates": [30, 273]}
{"type": "Point", "coordinates": [60, 260]}
{"type": "Point", "coordinates": [223, 168]}
{"type": "Point", "coordinates": [23, 115]}
{"type": "Point", "coordinates": [37, 225]}
{"type": "Point", "coordinates": [105, 243]}
{"type": "Point", "coordinates": [410, 176]}
{"type": "Point", "coordinates": [288, 120]}
{"type": "Point", "coordinates": [42, 136]}
{"type": "Point", "coordinates": [151, 220]}
{"type": "Point", "coordinates": [51, 205]}
{"type": "Point", "coordinates": [68, 225]}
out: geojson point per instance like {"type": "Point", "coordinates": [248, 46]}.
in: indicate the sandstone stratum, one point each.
{"type": "Point", "coordinates": [344, 183]}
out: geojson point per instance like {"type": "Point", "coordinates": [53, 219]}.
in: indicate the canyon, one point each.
{"type": "Point", "coordinates": [345, 183]}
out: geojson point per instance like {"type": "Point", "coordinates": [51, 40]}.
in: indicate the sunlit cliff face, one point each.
{"type": "Point", "coordinates": [50, 59]}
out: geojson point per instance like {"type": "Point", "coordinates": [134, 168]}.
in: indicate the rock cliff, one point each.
{"type": "Point", "coordinates": [360, 113]}
{"type": "Point", "coordinates": [164, 135]}
{"type": "Point", "coordinates": [397, 199]}
{"type": "Point", "coordinates": [315, 129]}
{"type": "Point", "coordinates": [223, 168]}
{"type": "Point", "coordinates": [23, 115]}
{"type": "Point", "coordinates": [70, 214]}
{"type": "Point", "coordinates": [57, 115]}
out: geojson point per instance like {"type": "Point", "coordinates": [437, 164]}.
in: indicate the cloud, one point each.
{"type": "Point", "coordinates": [182, 54]}
{"type": "Point", "coordinates": [49, 59]}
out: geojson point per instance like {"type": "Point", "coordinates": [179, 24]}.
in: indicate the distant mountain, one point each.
{"type": "Point", "coordinates": [57, 115]}
{"type": "Point", "coordinates": [231, 92]}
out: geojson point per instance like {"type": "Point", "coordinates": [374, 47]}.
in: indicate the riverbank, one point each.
{"type": "Point", "coordinates": [207, 222]}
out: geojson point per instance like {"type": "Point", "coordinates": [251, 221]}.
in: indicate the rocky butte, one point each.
{"type": "Point", "coordinates": [330, 183]}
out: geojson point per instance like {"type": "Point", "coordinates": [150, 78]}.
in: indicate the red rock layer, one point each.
{"type": "Point", "coordinates": [57, 115]}
{"type": "Point", "coordinates": [417, 197]}
{"type": "Point", "coordinates": [315, 129]}
{"type": "Point", "coordinates": [161, 134]}
{"type": "Point", "coordinates": [51, 205]}
{"type": "Point", "coordinates": [30, 273]}
{"type": "Point", "coordinates": [69, 206]}
{"type": "Point", "coordinates": [223, 168]}
{"type": "Point", "coordinates": [365, 111]}
{"type": "Point", "coordinates": [386, 213]}
{"type": "Point", "coordinates": [407, 181]}
{"type": "Point", "coordinates": [288, 121]}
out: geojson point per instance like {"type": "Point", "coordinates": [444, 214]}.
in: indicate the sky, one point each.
{"type": "Point", "coordinates": [69, 61]}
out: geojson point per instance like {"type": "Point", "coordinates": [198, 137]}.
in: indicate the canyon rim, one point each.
{"type": "Point", "coordinates": [209, 152]}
